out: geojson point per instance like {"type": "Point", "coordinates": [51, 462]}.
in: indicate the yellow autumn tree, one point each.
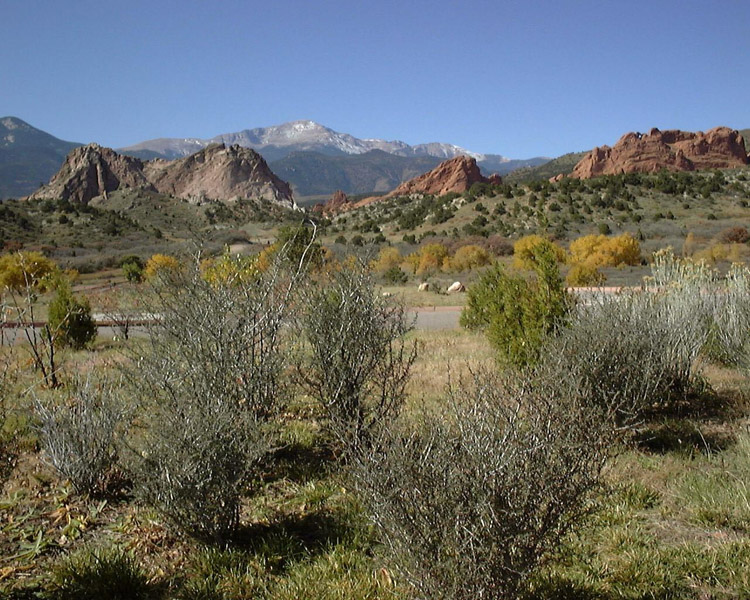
{"type": "Point", "coordinates": [229, 269]}
{"type": "Point", "coordinates": [468, 257]}
{"type": "Point", "coordinates": [19, 269]}
{"type": "Point", "coordinates": [388, 257]}
{"type": "Point", "coordinates": [604, 251]}
{"type": "Point", "coordinates": [431, 258]}
{"type": "Point", "coordinates": [584, 275]}
{"type": "Point", "coordinates": [160, 263]}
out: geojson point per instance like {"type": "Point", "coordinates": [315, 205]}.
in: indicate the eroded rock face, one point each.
{"type": "Point", "coordinates": [91, 171]}
{"type": "Point", "coordinates": [455, 175]}
{"type": "Point", "coordinates": [338, 201]}
{"type": "Point", "coordinates": [214, 173]}
{"type": "Point", "coordinates": [673, 150]}
{"type": "Point", "coordinates": [219, 172]}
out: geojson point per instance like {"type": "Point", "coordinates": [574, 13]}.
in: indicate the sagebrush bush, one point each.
{"type": "Point", "coordinates": [468, 501]}
{"type": "Point", "coordinates": [207, 380]}
{"type": "Point", "coordinates": [623, 356]}
{"type": "Point", "coordinates": [358, 363]}
{"type": "Point", "coordinates": [730, 329]}
{"type": "Point", "coordinates": [636, 351]}
{"type": "Point", "coordinates": [78, 432]}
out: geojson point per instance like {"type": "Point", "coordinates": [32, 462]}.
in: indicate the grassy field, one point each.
{"type": "Point", "coordinates": [674, 522]}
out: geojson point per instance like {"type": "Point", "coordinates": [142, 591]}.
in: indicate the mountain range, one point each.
{"type": "Point", "coordinates": [28, 157]}
{"type": "Point", "coordinates": [314, 159]}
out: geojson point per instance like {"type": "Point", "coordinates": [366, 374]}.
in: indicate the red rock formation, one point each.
{"type": "Point", "coordinates": [455, 175]}
{"type": "Point", "coordinates": [673, 150]}
{"type": "Point", "coordinates": [338, 202]}
{"type": "Point", "coordinates": [214, 173]}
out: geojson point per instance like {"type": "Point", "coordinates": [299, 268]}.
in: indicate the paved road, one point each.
{"type": "Point", "coordinates": [436, 318]}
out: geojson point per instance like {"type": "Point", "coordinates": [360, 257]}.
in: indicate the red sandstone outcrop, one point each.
{"type": "Point", "coordinates": [673, 150]}
{"type": "Point", "coordinates": [338, 202]}
{"type": "Point", "coordinates": [214, 173]}
{"type": "Point", "coordinates": [455, 175]}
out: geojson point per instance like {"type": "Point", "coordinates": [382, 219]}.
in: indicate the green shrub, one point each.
{"type": "Point", "coordinates": [518, 314]}
{"type": "Point", "coordinates": [70, 320]}
{"type": "Point", "coordinates": [132, 267]}
{"type": "Point", "coordinates": [395, 275]}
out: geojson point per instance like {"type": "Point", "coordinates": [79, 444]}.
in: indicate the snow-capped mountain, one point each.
{"type": "Point", "coordinates": [297, 136]}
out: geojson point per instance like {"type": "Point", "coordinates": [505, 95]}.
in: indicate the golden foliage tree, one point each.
{"type": "Point", "coordinates": [469, 257]}
{"type": "Point", "coordinates": [22, 269]}
{"type": "Point", "coordinates": [604, 251]}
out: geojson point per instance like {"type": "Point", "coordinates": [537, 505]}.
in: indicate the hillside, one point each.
{"type": "Point", "coordinates": [561, 165]}
{"type": "Point", "coordinates": [312, 173]}
{"type": "Point", "coordinates": [28, 157]}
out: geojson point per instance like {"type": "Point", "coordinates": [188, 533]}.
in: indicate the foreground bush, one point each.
{"type": "Point", "coordinates": [207, 381]}
{"type": "Point", "coordinates": [78, 433]}
{"type": "Point", "coordinates": [70, 321]}
{"type": "Point", "coordinates": [518, 314]}
{"type": "Point", "coordinates": [470, 500]}
{"type": "Point", "coordinates": [637, 351]}
{"type": "Point", "coordinates": [358, 363]}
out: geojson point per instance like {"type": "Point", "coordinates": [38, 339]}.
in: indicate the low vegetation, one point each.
{"type": "Point", "coordinates": [278, 430]}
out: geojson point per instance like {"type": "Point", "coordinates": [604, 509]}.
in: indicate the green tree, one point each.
{"type": "Point", "coordinates": [70, 320]}
{"type": "Point", "coordinates": [516, 313]}
{"type": "Point", "coordinates": [132, 268]}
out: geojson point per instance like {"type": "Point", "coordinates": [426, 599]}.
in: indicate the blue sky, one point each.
{"type": "Point", "coordinates": [518, 78]}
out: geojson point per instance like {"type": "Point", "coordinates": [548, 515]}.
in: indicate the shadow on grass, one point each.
{"type": "Point", "coordinates": [699, 420]}
{"type": "Point", "coordinates": [560, 588]}
{"type": "Point", "coordinates": [300, 463]}
{"type": "Point", "coordinates": [294, 537]}
{"type": "Point", "coordinates": [684, 436]}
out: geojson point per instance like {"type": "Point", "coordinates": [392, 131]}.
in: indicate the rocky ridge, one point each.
{"type": "Point", "coordinates": [214, 173]}
{"type": "Point", "coordinates": [674, 150]}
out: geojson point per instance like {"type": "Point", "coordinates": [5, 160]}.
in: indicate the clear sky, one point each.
{"type": "Point", "coordinates": [519, 78]}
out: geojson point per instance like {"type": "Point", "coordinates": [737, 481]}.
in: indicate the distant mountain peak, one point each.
{"type": "Point", "coordinates": [278, 141]}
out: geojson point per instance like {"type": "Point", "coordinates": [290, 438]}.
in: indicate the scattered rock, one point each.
{"type": "Point", "coordinates": [673, 150]}
{"type": "Point", "coordinates": [424, 287]}
{"type": "Point", "coordinates": [456, 286]}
